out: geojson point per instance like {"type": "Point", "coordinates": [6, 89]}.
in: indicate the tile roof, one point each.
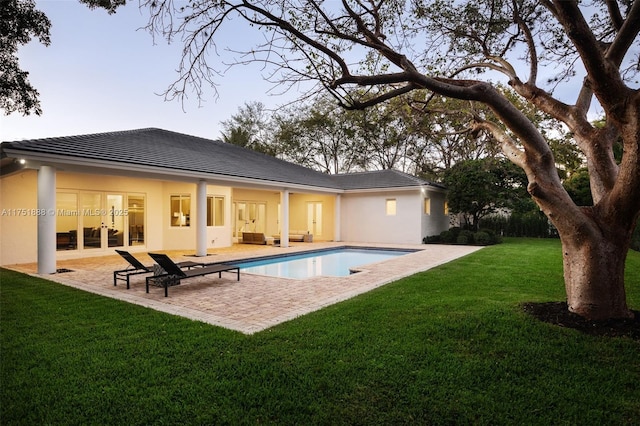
{"type": "Point", "coordinates": [180, 152]}
{"type": "Point", "coordinates": [379, 179]}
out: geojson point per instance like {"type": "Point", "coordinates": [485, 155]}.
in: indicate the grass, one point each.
{"type": "Point", "coordinates": [447, 346]}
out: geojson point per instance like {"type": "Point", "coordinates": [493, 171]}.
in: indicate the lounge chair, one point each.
{"type": "Point", "coordinates": [174, 274]}
{"type": "Point", "coordinates": [136, 267]}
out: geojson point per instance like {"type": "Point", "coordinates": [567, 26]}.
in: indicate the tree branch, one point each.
{"type": "Point", "coordinates": [627, 34]}
{"type": "Point", "coordinates": [614, 14]}
{"type": "Point", "coordinates": [603, 76]}
{"type": "Point", "coordinates": [533, 56]}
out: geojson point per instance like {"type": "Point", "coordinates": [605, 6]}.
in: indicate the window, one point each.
{"type": "Point", "coordinates": [215, 211]}
{"type": "Point", "coordinates": [66, 221]}
{"type": "Point", "coordinates": [427, 206]}
{"type": "Point", "coordinates": [391, 207]}
{"type": "Point", "coordinates": [136, 220]}
{"type": "Point", "coordinates": [446, 207]}
{"type": "Point", "coordinates": [180, 210]}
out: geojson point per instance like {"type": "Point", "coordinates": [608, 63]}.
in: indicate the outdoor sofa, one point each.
{"type": "Point", "coordinates": [253, 238]}
{"type": "Point", "coordinates": [297, 236]}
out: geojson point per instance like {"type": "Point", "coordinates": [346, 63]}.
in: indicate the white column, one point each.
{"type": "Point", "coordinates": [47, 220]}
{"type": "Point", "coordinates": [201, 219]}
{"type": "Point", "coordinates": [284, 220]}
{"type": "Point", "coordinates": [336, 231]}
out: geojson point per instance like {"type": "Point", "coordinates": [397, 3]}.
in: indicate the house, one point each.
{"type": "Point", "coordinates": [153, 189]}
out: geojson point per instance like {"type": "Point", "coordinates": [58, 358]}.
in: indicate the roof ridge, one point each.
{"type": "Point", "coordinates": [84, 135]}
{"type": "Point", "coordinates": [416, 178]}
{"type": "Point", "coordinates": [361, 172]}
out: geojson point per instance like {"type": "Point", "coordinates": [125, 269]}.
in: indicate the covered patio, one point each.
{"type": "Point", "coordinates": [256, 302]}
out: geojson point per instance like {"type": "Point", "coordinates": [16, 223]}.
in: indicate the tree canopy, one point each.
{"type": "Point", "coordinates": [478, 188]}
{"type": "Point", "coordinates": [20, 21]}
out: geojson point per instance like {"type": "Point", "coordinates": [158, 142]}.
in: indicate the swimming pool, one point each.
{"type": "Point", "coordinates": [334, 262]}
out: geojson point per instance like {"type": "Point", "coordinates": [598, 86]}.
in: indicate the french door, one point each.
{"type": "Point", "coordinates": [103, 220]}
{"type": "Point", "coordinates": [314, 218]}
{"type": "Point", "coordinates": [249, 217]}
{"type": "Point", "coordinates": [99, 220]}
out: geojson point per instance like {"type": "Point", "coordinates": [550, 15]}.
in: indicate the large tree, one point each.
{"type": "Point", "coordinates": [479, 188]}
{"type": "Point", "coordinates": [250, 128]}
{"type": "Point", "coordinates": [331, 139]}
{"type": "Point", "coordinates": [318, 135]}
{"type": "Point", "coordinates": [455, 48]}
{"type": "Point", "coordinates": [20, 21]}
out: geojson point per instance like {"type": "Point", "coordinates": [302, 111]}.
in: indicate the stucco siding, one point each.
{"type": "Point", "coordinates": [364, 218]}
{"type": "Point", "coordinates": [436, 221]}
{"type": "Point", "coordinates": [183, 238]}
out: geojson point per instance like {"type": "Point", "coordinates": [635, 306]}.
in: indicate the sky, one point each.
{"type": "Point", "coordinates": [102, 73]}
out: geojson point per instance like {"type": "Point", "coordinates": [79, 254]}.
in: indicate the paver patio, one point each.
{"type": "Point", "coordinates": [255, 302]}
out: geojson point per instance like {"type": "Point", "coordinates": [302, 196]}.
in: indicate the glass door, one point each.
{"type": "Point", "coordinates": [114, 221]}
{"type": "Point", "coordinates": [66, 221]}
{"type": "Point", "coordinates": [136, 220]}
{"type": "Point", "coordinates": [103, 221]}
{"type": "Point", "coordinates": [91, 218]}
{"type": "Point", "coordinates": [97, 220]}
{"type": "Point", "coordinates": [249, 217]}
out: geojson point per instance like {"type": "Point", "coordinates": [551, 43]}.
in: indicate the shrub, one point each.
{"type": "Point", "coordinates": [482, 238]}
{"type": "Point", "coordinates": [494, 238]}
{"type": "Point", "coordinates": [432, 239]}
{"type": "Point", "coordinates": [465, 237]}
{"type": "Point", "coordinates": [446, 237]}
{"type": "Point", "coordinates": [528, 224]}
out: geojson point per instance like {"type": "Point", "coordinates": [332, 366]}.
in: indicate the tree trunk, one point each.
{"type": "Point", "coordinates": [594, 276]}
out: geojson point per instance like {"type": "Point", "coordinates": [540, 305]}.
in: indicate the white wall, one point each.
{"type": "Point", "coordinates": [437, 221]}
{"type": "Point", "coordinates": [364, 218]}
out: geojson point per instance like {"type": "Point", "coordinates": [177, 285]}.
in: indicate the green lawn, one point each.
{"type": "Point", "coordinates": [447, 346]}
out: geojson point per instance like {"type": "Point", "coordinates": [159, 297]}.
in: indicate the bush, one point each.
{"type": "Point", "coordinates": [465, 237]}
{"type": "Point", "coordinates": [493, 237]}
{"type": "Point", "coordinates": [450, 236]}
{"type": "Point", "coordinates": [529, 224]}
{"type": "Point", "coordinates": [433, 239]}
{"type": "Point", "coordinates": [446, 237]}
{"type": "Point", "coordinates": [482, 238]}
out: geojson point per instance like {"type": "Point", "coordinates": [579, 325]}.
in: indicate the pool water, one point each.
{"type": "Point", "coordinates": [336, 262]}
